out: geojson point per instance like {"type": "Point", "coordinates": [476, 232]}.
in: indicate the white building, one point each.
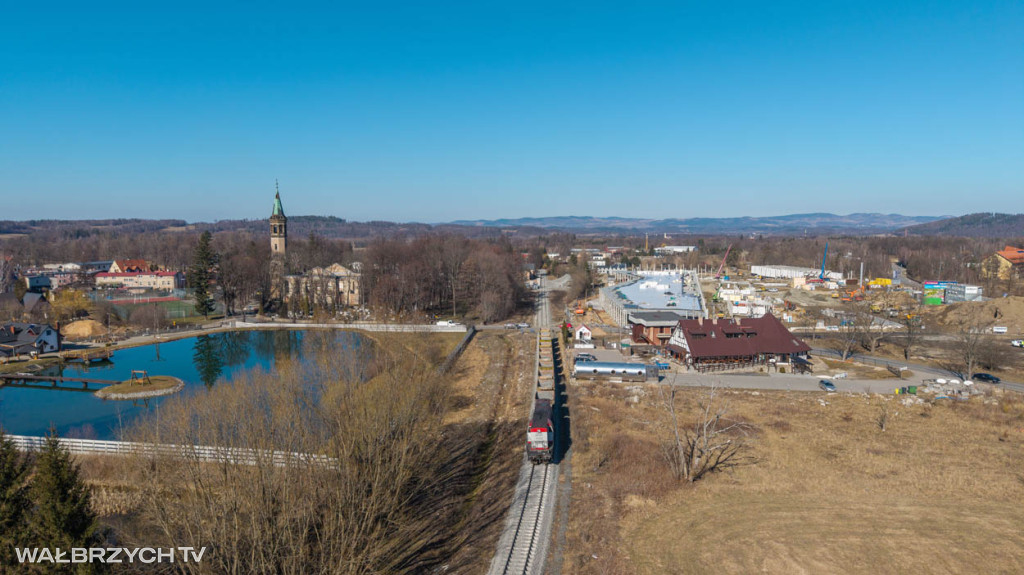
{"type": "Point", "coordinates": [162, 280]}
{"type": "Point", "coordinates": [792, 272]}
{"type": "Point", "coordinates": [665, 250]}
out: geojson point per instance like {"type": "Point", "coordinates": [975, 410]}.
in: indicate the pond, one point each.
{"type": "Point", "coordinates": [200, 362]}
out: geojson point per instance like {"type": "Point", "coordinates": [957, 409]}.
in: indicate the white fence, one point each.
{"type": "Point", "coordinates": [381, 327]}
{"type": "Point", "coordinates": [233, 455]}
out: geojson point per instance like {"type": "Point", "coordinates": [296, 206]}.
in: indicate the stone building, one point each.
{"type": "Point", "coordinates": [278, 245]}
{"type": "Point", "coordinates": [332, 287]}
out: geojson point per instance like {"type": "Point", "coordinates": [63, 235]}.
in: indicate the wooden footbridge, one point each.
{"type": "Point", "coordinates": [87, 355]}
{"type": "Point", "coordinates": [54, 382]}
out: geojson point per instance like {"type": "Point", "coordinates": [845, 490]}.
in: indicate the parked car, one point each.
{"type": "Point", "coordinates": [1017, 343]}
{"type": "Point", "coordinates": [985, 378]}
{"type": "Point", "coordinates": [585, 357]}
{"type": "Point", "coordinates": [523, 325]}
{"type": "Point", "coordinates": [827, 385]}
{"type": "Point", "coordinates": [510, 326]}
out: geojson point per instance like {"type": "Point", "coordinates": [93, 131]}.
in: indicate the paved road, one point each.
{"type": "Point", "coordinates": [794, 382]}
{"type": "Point", "coordinates": [929, 371]}
{"type": "Point", "coordinates": [783, 382]}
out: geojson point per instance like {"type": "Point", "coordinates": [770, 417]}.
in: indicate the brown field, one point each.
{"type": "Point", "coordinates": [828, 491]}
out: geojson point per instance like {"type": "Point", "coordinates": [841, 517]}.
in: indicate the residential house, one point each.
{"type": "Point", "coordinates": [27, 339]}
{"type": "Point", "coordinates": [36, 308]}
{"type": "Point", "coordinates": [583, 333]}
{"type": "Point", "coordinates": [653, 327]}
{"type": "Point", "coordinates": [36, 283]}
{"type": "Point", "coordinates": [1004, 263]}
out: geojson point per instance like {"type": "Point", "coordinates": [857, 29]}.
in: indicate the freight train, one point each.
{"type": "Point", "coordinates": [540, 436]}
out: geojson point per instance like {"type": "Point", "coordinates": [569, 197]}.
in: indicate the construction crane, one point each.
{"type": "Point", "coordinates": [825, 255]}
{"type": "Point", "coordinates": [718, 274]}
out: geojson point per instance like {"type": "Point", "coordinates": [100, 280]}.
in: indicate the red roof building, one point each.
{"type": "Point", "coordinates": [704, 344]}
{"type": "Point", "coordinates": [1003, 264]}
{"type": "Point", "coordinates": [128, 266]}
{"type": "Point", "coordinates": [1013, 255]}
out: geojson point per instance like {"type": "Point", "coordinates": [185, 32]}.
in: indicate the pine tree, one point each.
{"type": "Point", "coordinates": [63, 515]}
{"type": "Point", "coordinates": [204, 260]}
{"type": "Point", "coordinates": [14, 501]}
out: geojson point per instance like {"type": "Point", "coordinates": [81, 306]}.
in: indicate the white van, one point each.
{"type": "Point", "coordinates": [999, 329]}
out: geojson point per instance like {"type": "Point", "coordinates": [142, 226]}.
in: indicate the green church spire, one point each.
{"type": "Point", "coordinates": [278, 208]}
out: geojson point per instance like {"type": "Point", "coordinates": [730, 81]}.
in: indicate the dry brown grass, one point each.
{"type": "Point", "coordinates": [489, 393]}
{"type": "Point", "coordinates": [937, 492]}
{"type": "Point", "coordinates": [155, 383]}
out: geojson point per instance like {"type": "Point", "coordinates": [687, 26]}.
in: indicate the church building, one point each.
{"type": "Point", "coordinates": [333, 287]}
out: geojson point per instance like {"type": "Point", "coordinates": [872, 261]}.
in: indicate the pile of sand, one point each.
{"type": "Point", "coordinates": [1007, 311]}
{"type": "Point", "coordinates": [83, 328]}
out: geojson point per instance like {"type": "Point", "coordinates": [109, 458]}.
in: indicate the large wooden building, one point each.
{"type": "Point", "coordinates": [725, 344]}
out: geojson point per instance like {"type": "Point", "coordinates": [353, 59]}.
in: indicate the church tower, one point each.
{"type": "Point", "coordinates": [278, 228]}
{"type": "Point", "coordinates": [278, 246]}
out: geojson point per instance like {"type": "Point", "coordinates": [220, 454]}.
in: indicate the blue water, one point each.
{"type": "Point", "coordinates": [200, 362]}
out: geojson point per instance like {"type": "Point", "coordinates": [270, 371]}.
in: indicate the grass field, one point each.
{"type": "Point", "coordinates": [828, 491]}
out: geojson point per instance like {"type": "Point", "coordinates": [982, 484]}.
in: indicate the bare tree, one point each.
{"type": "Point", "coordinates": [968, 344]}
{"type": "Point", "coordinates": [6, 273]}
{"type": "Point", "coordinates": [870, 331]}
{"type": "Point", "coordinates": [845, 339]}
{"type": "Point", "coordinates": [911, 331]}
{"type": "Point", "coordinates": [371, 499]}
{"type": "Point", "coordinates": [711, 443]}
{"type": "Point", "coordinates": [149, 316]}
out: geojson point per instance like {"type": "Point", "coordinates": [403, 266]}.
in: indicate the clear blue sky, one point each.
{"type": "Point", "coordinates": [432, 112]}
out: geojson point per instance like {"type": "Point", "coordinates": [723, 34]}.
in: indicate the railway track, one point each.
{"type": "Point", "coordinates": [523, 546]}
{"type": "Point", "coordinates": [525, 553]}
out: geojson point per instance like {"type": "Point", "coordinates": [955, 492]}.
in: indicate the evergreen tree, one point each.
{"type": "Point", "coordinates": [204, 260]}
{"type": "Point", "coordinates": [63, 516]}
{"type": "Point", "coordinates": [14, 501]}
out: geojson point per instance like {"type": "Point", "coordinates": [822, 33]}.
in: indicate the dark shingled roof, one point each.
{"type": "Point", "coordinates": [750, 337]}
{"type": "Point", "coordinates": [645, 317]}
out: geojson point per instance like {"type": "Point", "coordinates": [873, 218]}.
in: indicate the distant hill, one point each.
{"type": "Point", "coordinates": [333, 227]}
{"type": "Point", "coordinates": [298, 226]}
{"type": "Point", "coordinates": [774, 225]}
{"type": "Point", "coordinates": [981, 225]}
{"type": "Point", "coordinates": [127, 225]}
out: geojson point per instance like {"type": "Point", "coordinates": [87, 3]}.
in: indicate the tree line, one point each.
{"type": "Point", "coordinates": [443, 274]}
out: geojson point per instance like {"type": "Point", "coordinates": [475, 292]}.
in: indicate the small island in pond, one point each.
{"type": "Point", "coordinates": [152, 386]}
